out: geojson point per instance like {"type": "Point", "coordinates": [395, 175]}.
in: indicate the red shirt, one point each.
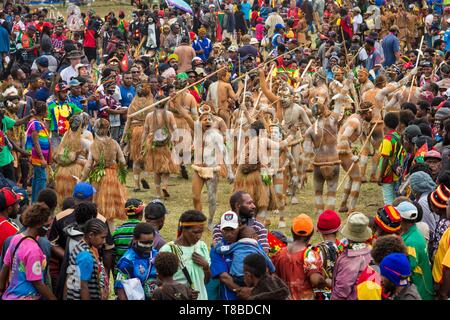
{"type": "Point", "coordinates": [7, 229]}
{"type": "Point", "coordinates": [295, 270]}
{"type": "Point", "coordinates": [89, 38]}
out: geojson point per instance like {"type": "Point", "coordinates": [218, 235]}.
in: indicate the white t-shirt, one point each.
{"type": "Point", "coordinates": [357, 20]}
{"type": "Point", "coordinates": [68, 73]}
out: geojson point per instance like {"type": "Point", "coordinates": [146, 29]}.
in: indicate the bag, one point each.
{"type": "Point", "coordinates": [176, 250]}
{"type": "Point", "coordinates": [133, 289]}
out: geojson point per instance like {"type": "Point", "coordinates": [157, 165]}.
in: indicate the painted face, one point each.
{"type": "Point", "coordinates": [362, 77]}
{"type": "Point", "coordinates": [207, 121]}
{"type": "Point", "coordinates": [285, 96]}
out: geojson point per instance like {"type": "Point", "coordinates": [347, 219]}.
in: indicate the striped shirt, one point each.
{"type": "Point", "coordinates": [259, 228]}
{"type": "Point", "coordinates": [44, 142]}
{"type": "Point", "coordinates": [122, 238]}
{"type": "Point", "coordinates": [76, 272]}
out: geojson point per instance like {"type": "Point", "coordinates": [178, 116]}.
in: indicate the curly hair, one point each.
{"type": "Point", "coordinates": [36, 215]}
{"type": "Point", "coordinates": [49, 197]}
{"type": "Point", "coordinates": [166, 264]}
{"type": "Point", "coordinates": [386, 245]}
{"type": "Point", "coordinates": [192, 216]}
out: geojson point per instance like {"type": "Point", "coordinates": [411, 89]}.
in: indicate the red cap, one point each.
{"type": "Point", "coordinates": [8, 198]}
{"type": "Point", "coordinates": [328, 222]}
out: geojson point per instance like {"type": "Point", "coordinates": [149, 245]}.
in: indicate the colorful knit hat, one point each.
{"type": "Point", "coordinates": [439, 197]}
{"type": "Point", "coordinates": [388, 219]}
{"type": "Point", "coordinates": [134, 206]}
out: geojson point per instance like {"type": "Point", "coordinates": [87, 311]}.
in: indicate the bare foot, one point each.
{"type": "Point", "coordinates": [166, 194]}
{"type": "Point", "coordinates": [294, 200]}
{"type": "Point", "coordinates": [343, 208]}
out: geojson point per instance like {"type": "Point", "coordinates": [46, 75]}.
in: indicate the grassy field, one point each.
{"type": "Point", "coordinates": [181, 200]}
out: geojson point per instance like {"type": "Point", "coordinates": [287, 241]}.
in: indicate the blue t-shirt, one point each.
{"type": "Point", "coordinates": [85, 262]}
{"type": "Point", "coordinates": [203, 44]}
{"type": "Point", "coordinates": [127, 95]}
{"type": "Point", "coordinates": [390, 45]}
{"type": "Point", "coordinates": [246, 8]}
{"type": "Point", "coordinates": [132, 265]}
{"type": "Point", "coordinates": [220, 264]}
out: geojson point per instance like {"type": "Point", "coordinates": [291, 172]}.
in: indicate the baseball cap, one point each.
{"type": "Point", "coordinates": [83, 191]}
{"type": "Point", "coordinates": [302, 225]}
{"type": "Point", "coordinates": [395, 267]}
{"type": "Point", "coordinates": [407, 210]}
{"type": "Point", "coordinates": [48, 75]}
{"type": "Point", "coordinates": [42, 61]}
{"type": "Point", "coordinates": [8, 198]}
{"type": "Point", "coordinates": [254, 41]}
{"type": "Point", "coordinates": [155, 210]}
{"type": "Point", "coordinates": [232, 48]}
{"type": "Point", "coordinates": [61, 87]}
{"type": "Point", "coordinates": [80, 65]}
{"type": "Point", "coordinates": [433, 154]}
{"type": "Point", "coordinates": [74, 83]}
{"type": "Point", "coordinates": [388, 219]}
{"type": "Point", "coordinates": [328, 222]}
{"type": "Point", "coordinates": [229, 220]}
{"type": "Point", "coordinates": [279, 26]}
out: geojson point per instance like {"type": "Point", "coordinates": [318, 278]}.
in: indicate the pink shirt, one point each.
{"type": "Point", "coordinates": [259, 31]}
{"type": "Point", "coordinates": [27, 266]}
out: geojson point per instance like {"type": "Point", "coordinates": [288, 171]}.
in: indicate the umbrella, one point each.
{"type": "Point", "coordinates": [180, 4]}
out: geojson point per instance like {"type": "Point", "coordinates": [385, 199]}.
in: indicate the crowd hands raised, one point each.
{"type": "Point", "coordinates": [308, 87]}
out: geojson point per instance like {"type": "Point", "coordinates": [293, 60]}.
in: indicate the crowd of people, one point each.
{"type": "Point", "coordinates": [266, 94]}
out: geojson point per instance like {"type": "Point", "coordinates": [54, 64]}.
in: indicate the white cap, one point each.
{"type": "Point", "coordinates": [80, 65]}
{"type": "Point", "coordinates": [254, 41]}
{"type": "Point", "coordinates": [232, 48]}
{"type": "Point", "coordinates": [229, 220]}
{"type": "Point", "coordinates": [448, 20]}
{"type": "Point", "coordinates": [407, 210]}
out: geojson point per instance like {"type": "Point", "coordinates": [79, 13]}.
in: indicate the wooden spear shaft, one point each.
{"type": "Point", "coordinates": [414, 76]}
{"type": "Point", "coordinates": [351, 167]}
{"type": "Point", "coordinates": [176, 93]}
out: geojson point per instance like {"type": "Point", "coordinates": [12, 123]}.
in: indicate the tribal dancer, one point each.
{"type": "Point", "coordinates": [320, 146]}
{"type": "Point", "coordinates": [133, 132]}
{"type": "Point", "coordinates": [159, 126]}
{"type": "Point", "coordinates": [105, 156]}
{"type": "Point", "coordinates": [351, 131]}
{"type": "Point", "coordinates": [70, 158]}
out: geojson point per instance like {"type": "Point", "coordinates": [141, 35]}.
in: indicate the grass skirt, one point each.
{"type": "Point", "coordinates": [64, 180]}
{"type": "Point", "coordinates": [159, 160]}
{"type": "Point", "coordinates": [252, 184]}
{"type": "Point", "coordinates": [135, 143]}
{"type": "Point", "coordinates": [111, 195]}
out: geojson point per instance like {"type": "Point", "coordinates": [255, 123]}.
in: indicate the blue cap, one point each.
{"type": "Point", "coordinates": [279, 26]}
{"type": "Point", "coordinates": [42, 61]}
{"type": "Point", "coordinates": [48, 75]}
{"type": "Point", "coordinates": [74, 83]}
{"type": "Point", "coordinates": [83, 191]}
{"type": "Point", "coordinates": [395, 267]}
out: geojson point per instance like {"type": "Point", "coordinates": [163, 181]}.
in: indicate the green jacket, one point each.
{"type": "Point", "coordinates": [420, 263]}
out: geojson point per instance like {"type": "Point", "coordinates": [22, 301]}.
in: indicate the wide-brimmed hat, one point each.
{"type": "Point", "coordinates": [74, 54]}
{"type": "Point", "coordinates": [357, 228]}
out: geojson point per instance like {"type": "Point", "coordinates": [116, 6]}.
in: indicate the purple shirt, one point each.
{"type": "Point", "coordinates": [349, 266]}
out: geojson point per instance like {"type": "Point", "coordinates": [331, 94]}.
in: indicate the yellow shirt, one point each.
{"type": "Point", "coordinates": [442, 257]}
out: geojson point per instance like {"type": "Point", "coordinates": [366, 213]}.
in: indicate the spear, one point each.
{"type": "Point", "coordinates": [176, 93]}
{"type": "Point", "coordinates": [417, 63]}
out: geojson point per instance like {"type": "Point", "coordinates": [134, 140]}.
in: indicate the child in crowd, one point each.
{"type": "Point", "coordinates": [166, 264]}
{"type": "Point", "coordinates": [245, 245]}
